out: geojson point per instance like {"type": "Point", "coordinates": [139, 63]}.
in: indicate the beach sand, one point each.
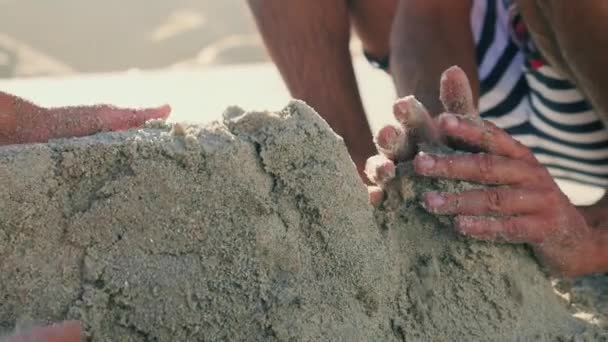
{"type": "Point", "coordinates": [257, 229]}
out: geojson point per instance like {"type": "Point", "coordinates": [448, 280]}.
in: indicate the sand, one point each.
{"type": "Point", "coordinates": [253, 229]}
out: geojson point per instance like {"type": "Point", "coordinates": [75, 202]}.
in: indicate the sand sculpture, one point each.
{"type": "Point", "coordinates": [256, 228]}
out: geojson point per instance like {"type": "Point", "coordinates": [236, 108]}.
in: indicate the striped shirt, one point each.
{"type": "Point", "coordinates": [532, 101]}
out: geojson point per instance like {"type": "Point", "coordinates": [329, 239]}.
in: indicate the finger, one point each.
{"type": "Point", "coordinates": [380, 169]}
{"type": "Point", "coordinates": [416, 120]}
{"type": "Point", "coordinates": [455, 92]}
{"type": "Point", "coordinates": [484, 135]}
{"type": "Point", "coordinates": [86, 120]}
{"type": "Point", "coordinates": [514, 229]}
{"type": "Point", "coordinates": [392, 142]}
{"type": "Point", "coordinates": [16, 116]}
{"type": "Point", "coordinates": [116, 119]}
{"type": "Point", "coordinates": [375, 195]}
{"type": "Point", "coordinates": [478, 168]}
{"type": "Point", "coordinates": [492, 201]}
{"type": "Point", "coordinates": [69, 331]}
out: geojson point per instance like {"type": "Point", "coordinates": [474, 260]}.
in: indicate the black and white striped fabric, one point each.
{"type": "Point", "coordinates": [537, 106]}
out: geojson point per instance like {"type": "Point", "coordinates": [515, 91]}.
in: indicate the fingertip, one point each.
{"type": "Point", "coordinates": [452, 72]}
{"type": "Point", "coordinates": [400, 110]}
{"type": "Point", "coordinates": [392, 141]}
{"type": "Point", "coordinates": [423, 163]}
{"type": "Point", "coordinates": [375, 195]}
{"type": "Point", "coordinates": [161, 112]}
{"type": "Point", "coordinates": [433, 201]}
{"type": "Point", "coordinates": [387, 136]}
{"type": "Point", "coordinates": [164, 111]}
{"type": "Point", "coordinates": [409, 111]}
{"type": "Point", "coordinates": [464, 224]}
{"type": "Point", "coordinates": [455, 92]}
{"type": "Point", "coordinates": [380, 169]}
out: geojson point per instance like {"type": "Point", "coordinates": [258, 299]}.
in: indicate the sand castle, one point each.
{"type": "Point", "coordinates": [256, 228]}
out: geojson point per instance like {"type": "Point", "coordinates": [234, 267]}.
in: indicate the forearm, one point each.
{"type": "Point", "coordinates": [428, 37]}
{"type": "Point", "coordinates": [310, 46]}
{"type": "Point", "coordinates": [579, 31]}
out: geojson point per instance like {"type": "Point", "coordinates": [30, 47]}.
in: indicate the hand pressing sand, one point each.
{"type": "Point", "coordinates": [523, 204]}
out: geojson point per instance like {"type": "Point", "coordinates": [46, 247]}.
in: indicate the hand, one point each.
{"type": "Point", "coordinates": [24, 122]}
{"type": "Point", "coordinates": [522, 204]}
{"type": "Point", "coordinates": [400, 143]}
{"type": "Point", "coordinates": [64, 332]}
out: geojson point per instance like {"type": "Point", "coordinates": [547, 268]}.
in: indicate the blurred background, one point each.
{"type": "Point", "coordinates": [58, 37]}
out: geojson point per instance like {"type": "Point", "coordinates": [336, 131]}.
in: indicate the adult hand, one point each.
{"type": "Point", "coordinates": [24, 122]}
{"type": "Point", "coordinates": [522, 203]}
{"type": "Point", "coordinates": [69, 331]}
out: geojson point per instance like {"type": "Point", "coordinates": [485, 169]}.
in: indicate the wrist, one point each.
{"type": "Point", "coordinates": [596, 214]}
{"type": "Point", "coordinates": [587, 254]}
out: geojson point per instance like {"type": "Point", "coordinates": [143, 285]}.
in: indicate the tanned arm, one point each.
{"type": "Point", "coordinates": [309, 42]}
{"type": "Point", "coordinates": [572, 36]}
{"type": "Point", "coordinates": [428, 37]}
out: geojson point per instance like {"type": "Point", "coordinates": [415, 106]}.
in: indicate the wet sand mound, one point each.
{"type": "Point", "coordinates": [254, 229]}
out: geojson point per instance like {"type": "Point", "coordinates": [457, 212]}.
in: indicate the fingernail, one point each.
{"type": "Point", "coordinates": [379, 169]}
{"type": "Point", "coordinates": [403, 106]}
{"type": "Point", "coordinates": [462, 224]}
{"type": "Point", "coordinates": [375, 195]}
{"type": "Point", "coordinates": [433, 200]}
{"type": "Point", "coordinates": [401, 111]}
{"type": "Point", "coordinates": [410, 111]}
{"type": "Point", "coordinates": [424, 162]}
{"type": "Point", "coordinates": [387, 137]}
{"type": "Point", "coordinates": [449, 121]}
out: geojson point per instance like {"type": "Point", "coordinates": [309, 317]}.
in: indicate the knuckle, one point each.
{"type": "Point", "coordinates": [494, 200]}
{"type": "Point", "coordinates": [485, 165]}
{"type": "Point", "coordinates": [513, 230]}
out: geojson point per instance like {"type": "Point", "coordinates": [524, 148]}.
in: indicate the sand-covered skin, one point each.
{"type": "Point", "coordinates": [255, 229]}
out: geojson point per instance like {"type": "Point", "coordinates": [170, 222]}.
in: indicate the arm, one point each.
{"type": "Point", "coordinates": [309, 42]}
{"type": "Point", "coordinates": [428, 37]}
{"type": "Point", "coordinates": [23, 122]}
{"type": "Point", "coordinates": [572, 35]}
